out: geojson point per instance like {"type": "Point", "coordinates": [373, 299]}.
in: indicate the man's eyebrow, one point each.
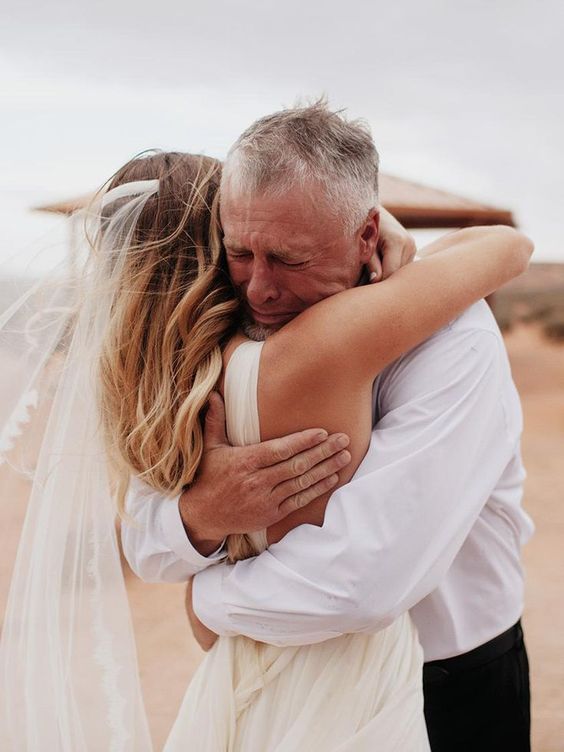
{"type": "Point", "coordinates": [278, 252]}
{"type": "Point", "coordinates": [290, 254]}
{"type": "Point", "coordinates": [234, 246]}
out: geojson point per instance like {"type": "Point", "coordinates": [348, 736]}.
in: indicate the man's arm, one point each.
{"type": "Point", "coordinates": [154, 539]}
{"type": "Point", "coordinates": [392, 533]}
{"type": "Point", "coordinates": [238, 489]}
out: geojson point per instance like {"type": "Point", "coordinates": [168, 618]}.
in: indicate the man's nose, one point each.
{"type": "Point", "coordinates": [262, 285]}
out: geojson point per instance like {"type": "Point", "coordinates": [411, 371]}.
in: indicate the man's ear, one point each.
{"type": "Point", "coordinates": [369, 235]}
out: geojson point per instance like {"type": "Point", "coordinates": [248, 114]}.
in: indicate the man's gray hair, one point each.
{"type": "Point", "coordinates": [306, 147]}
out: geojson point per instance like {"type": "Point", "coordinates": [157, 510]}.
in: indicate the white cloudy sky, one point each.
{"type": "Point", "coordinates": [463, 95]}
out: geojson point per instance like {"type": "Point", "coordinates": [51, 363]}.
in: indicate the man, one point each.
{"type": "Point", "coordinates": [431, 521]}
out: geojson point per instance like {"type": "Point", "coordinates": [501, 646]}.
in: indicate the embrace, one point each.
{"type": "Point", "coordinates": [320, 434]}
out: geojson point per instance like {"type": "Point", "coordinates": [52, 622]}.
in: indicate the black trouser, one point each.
{"type": "Point", "coordinates": [479, 701]}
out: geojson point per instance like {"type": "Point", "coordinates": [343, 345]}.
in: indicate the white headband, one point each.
{"type": "Point", "coordinates": [135, 188]}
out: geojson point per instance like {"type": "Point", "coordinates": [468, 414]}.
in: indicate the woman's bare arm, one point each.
{"type": "Point", "coordinates": [364, 329]}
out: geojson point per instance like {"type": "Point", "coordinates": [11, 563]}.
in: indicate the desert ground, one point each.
{"type": "Point", "coordinates": [168, 655]}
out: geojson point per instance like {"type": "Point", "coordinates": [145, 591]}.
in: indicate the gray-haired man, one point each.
{"type": "Point", "coordinates": [447, 425]}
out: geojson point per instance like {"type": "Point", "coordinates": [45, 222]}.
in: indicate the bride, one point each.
{"type": "Point", "coordinates": [153, 330]}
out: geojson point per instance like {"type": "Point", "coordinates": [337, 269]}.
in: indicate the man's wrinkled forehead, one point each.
{"type": "Point", "coordinates": [310, 195]}
{"type": "Point", "coordinates": [298, 218]}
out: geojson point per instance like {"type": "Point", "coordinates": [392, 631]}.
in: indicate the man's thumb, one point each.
{"type": "Point", "coordinates": [214, 431]}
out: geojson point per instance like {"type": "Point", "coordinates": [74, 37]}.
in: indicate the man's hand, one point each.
{"type": "Point", "coordinates": [245, 489]}
{"type": "Point", "coordinates": [396, 248]}
{"type": "Point", "coordinates": [204, 636]}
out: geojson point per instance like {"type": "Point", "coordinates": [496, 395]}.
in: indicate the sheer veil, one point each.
{"type": "Point", "coordinates": [68, 666]}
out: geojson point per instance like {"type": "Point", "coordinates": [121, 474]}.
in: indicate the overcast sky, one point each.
{"type": "Point", "coordinates": [465, 96]}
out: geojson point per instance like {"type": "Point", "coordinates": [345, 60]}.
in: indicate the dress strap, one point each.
{"type": "Point", "coordinates": [241, 408]}
{"type": "Point", "coordinates": [240, 392]}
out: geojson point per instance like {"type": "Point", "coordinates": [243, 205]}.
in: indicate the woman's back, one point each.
{"type": "Point", "coordinates": [356, 692]}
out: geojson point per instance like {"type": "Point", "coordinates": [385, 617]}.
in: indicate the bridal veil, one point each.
{"type": "Point", "coordinates": [68, 667]}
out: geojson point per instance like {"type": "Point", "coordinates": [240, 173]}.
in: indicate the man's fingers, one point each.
{"type": "Point", "coordinates": [320, 460]}
{"type": "Point", "coordinates": [304, 461]}
{"type": "Point", "coordinates": [280, 450]}
{"type": "Point", "coordinates": [302, 498]}
{"type": "Point", "coordinates": [312, 476]}
{"type": "Point", "coordinates": [214, 429]}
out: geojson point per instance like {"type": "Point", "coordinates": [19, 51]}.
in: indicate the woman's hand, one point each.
{"type": "Point", "coordinates": [205, 637]}
{"type": "Point", "coordinates": [396, 248]}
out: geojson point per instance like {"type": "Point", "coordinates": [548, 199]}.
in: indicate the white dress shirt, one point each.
{"type": "Point", "coordinates": [432, 520]}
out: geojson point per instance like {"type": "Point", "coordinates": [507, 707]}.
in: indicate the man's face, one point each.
{"type": "Point", "coordinates": [285, 254]}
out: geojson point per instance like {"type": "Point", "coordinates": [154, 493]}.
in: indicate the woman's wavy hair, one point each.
{"type": "Point", "coordinates": [173, 310]}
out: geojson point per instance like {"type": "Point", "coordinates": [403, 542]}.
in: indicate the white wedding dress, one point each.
{"type": "Point", "coordinates": [354, 693]}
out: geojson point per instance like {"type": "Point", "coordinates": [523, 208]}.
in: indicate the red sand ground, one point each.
{"type": "Point", "coordinates": [168, 655]}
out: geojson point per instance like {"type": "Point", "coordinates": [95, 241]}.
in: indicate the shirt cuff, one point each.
{"type": "Point", "coordinates": [207, 600]}
{"type": "Point", "coordinates": [178, 541]}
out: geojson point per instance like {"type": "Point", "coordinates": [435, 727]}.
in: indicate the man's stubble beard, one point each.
{"type": "Point", "coordinates": [254, 331]}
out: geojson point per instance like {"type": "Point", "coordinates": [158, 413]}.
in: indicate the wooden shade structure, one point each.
{"type": "Point", "coordinates": [419, 206]}
{"type": "Point", "coordinates": [415, 205]}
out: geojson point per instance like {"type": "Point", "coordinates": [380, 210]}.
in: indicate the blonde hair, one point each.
{"type": "Point", "coordinates": [173, 310]}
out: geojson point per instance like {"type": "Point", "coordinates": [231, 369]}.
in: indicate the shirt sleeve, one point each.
{"type": "Point", "coordinates": [154, 540]}
{"type": "Point", "coordinates": [450, 424]}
